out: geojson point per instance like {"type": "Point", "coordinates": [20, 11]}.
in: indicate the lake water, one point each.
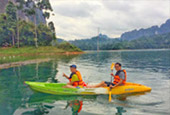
{"type": "Point", "coordinates": [147, 67]}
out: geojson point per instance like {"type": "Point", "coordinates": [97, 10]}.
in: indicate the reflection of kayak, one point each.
{"type": "Point", "coordinates": [47, 98]}
{"type": "Point", "coordinates": [56, 89]}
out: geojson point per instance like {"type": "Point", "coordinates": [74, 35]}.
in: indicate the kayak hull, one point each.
{"type": "Point", "coordinates": [57, 89]}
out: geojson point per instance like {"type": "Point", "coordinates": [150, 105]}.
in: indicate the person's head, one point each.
{"type": "Point", "coordinates": [118, 66]}
{"type": "Point", "coordinates": [73, 68]}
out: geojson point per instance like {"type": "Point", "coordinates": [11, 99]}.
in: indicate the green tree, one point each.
{"type": "Point", "coordinates": [33, 5]}
{"type": "Point", "coordinates": [11, 19]}
{"type": "Point", "coordinates": [31, 11]}
{"type": "Point", "coordinates": [15, 30]}
{"type": "Point", "coordinates": [19, 6]}
{"type": "Point", "coordinates": [3, 29]}
{"type": "Point", "coordinates": [26, 33]}
{"type": "Point", "coordinates": [52, 28]}
{"type": "Point", "coordinates": [45, 35]}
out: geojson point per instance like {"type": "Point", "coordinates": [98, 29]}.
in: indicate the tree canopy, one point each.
{"type": "Point", "coordinates": [14, 30]}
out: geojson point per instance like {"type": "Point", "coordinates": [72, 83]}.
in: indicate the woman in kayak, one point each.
{"type": "Point", "coordinates": [119, 78]}
{"type": "Point", "coordinates": [75, 78]}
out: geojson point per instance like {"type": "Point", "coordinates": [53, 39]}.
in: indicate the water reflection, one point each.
{"type": "Point", "coordinates": [143, 67]}
{"type": "Point", "coordinates": [13, 92]}
{"type": "Point", "coordinates": [39, 110]}
{"type": "Point", "coordinates": [120, 111]}
{"type": "Point", "coordinates": [39, 104]}
{"type": "Point", "coordinates": [75, 105]}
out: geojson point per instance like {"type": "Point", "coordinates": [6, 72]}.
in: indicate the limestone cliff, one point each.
{"type": "Point", "coordinates": [39, 13]}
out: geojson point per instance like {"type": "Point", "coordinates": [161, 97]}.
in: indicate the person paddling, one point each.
{"type": "Point", "coordinates": [75, 78]}
{"type": "Point", "coordinates": [119, 78]}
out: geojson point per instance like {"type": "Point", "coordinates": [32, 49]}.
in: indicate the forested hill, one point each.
{"type": "Point", "coordinates": [153, 37]}
{"type": "Point", "coordinates": [154, 30]}
{"type": "Point", "coordinates": [151, 42]}
{"type": "Point", "coordinates": [91, 44]}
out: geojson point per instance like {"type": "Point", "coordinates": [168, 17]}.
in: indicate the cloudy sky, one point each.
{"type": "Point", "coordinates": [79, 19]}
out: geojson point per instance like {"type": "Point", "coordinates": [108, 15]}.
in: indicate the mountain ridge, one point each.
{"type": "Point", "coordinates": [153, 37]}
{"type": "Point", "coordinates": [153, 30]}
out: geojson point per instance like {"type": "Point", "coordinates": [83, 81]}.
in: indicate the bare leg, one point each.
{"type": "Point", "coordinates": [68, 86]}
{"type": "Point", "coordinates": [102, 84]}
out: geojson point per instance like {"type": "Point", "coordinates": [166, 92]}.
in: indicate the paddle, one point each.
{"type": "Point", "coordinates": [110, 92]}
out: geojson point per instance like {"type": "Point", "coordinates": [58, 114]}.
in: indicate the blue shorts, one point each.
{"type": "Point", "coordinates": [109, 83]}
{"type": "Point", "coordinates": [78, 87]}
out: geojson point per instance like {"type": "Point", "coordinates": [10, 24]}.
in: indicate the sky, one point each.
{"type": "Point", "coordinates": [80, 19]}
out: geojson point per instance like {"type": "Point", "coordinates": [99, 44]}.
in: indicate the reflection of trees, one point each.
{"type": "Point", "coordinates": [47, 98]}
{"type": "Point", "coordinates": [68, 58]}
{"type": "Point", "coordinates": [12, 90]}
{"type": "Point", "coordinates": [53, 72]}
{"type": "Point", "coordinates": [13, 93]}
{"type": "Point", "coordinates": [36, 69]}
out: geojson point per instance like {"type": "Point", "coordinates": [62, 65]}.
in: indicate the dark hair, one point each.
{"type": "Point", "coordinates": [118, 64]}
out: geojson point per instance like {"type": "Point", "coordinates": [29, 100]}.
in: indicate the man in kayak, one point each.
{"type": "Point", "coordinates": [75, 78]}
{"type": "Point", "coordinates": [119, 78]}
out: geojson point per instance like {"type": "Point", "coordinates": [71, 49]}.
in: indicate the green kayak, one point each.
{"type": "Point", "coordinates": [57, 89]}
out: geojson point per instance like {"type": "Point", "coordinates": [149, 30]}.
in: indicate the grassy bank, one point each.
{"type": "Point", "coordinates": [8, 55]}
{"type": "Point", "coordinates": [33, 50]}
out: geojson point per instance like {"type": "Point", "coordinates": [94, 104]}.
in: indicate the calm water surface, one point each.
{"type": "Point", "coordinates": [147, 67]}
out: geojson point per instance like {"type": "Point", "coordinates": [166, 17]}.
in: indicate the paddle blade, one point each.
{"type": "Point", "coordinates": [110, 96]}
{"type": "Point", "coordinates": [112, 66]}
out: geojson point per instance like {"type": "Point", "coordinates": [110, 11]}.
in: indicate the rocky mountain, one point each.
{"type": "Point", "coordinates": [151, 42]}
{"type": "Point", "coordinates": [39, 13]}
{"type": "Point", "coordinates": [154, 30]}
{"type": "Point", "coordinates": [153, 37]}
{"type": "Point", "coordinates": [3, 3]}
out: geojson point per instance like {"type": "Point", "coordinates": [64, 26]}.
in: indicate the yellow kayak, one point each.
{"type": "Point", "coordinates": [129, 88]}
{"type": "Point", "coordinates": [57, 89]}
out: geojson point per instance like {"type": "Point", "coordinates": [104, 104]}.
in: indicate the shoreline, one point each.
{"type": "Point", "coordinates": [42, 50]}
{"type": "Point", "coordinates": [44, 54]}
{"type": "Point", "coordinates": [33, 61]}
{"type": "Point", "coordinates": [21, 63]}
{"type": "Point", "coordinates": [11, 55]}
{"type": "Point", "coordinates": [128, 50]}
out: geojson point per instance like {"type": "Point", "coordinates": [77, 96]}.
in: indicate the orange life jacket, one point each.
{"type": "Point", "coordinates": [76, 83]}
{"type": "Point", "coordinates": [117, 78]}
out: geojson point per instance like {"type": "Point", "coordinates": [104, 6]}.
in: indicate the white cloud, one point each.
{"type": "Point", "coordinates": [78, 19]}
{"type": "Point", "coordinates": [75, 9]}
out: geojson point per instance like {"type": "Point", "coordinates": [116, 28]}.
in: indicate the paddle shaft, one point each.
{"type": "Point", "coordinates": [110, 93]}
{"type": "Point", "coordinates": [111, 76]}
